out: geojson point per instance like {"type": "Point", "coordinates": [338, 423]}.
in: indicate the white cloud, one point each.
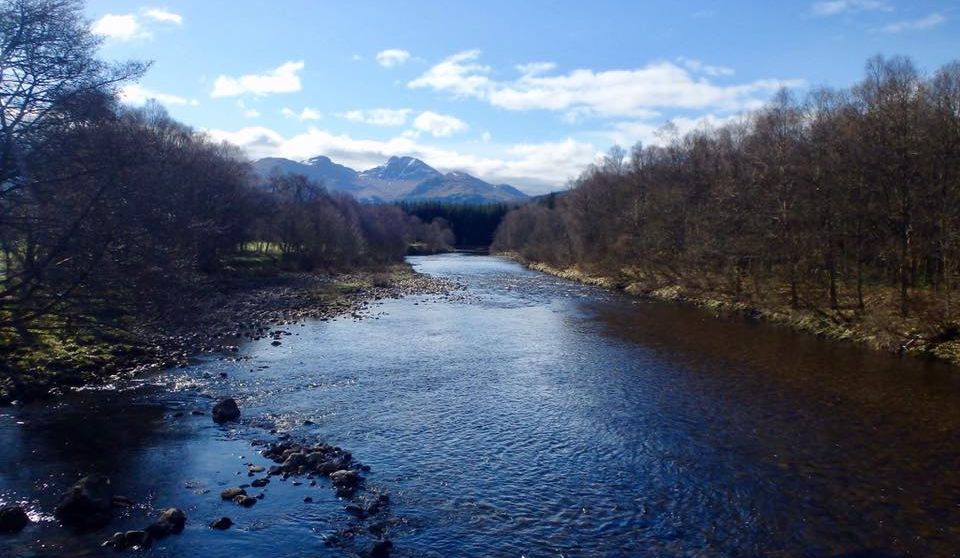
{"type": "Point", "coordinates": [392, 57]}
{"type": "Point", "coordinates": [630, 133]}
{"type": "Point", "coordinates": [457, 74]}
{"type": "Point", "coordinates": [282, 79]}
{"type": "Point", "coordinates": [135, 94]}
{"type": "Point", "coordinates": [536, 168]}
{"type": "Point", "coordinates": [309, 114]}
{"type": "Point", "coordinates": [164, 16]}
{"type": "Point", "coordinates": [534, 68]}
{"type": "Point", "coordinates": [251, 113]}
{"type": "Point", "coordinates": [634, 92]}
{"type": "Point", "coordinates": [306, 114]}
{"type": "Point", "coordinates": [486, 137]}
{"type": "Point", "coordinates": [699, 67]}
{"type": "Point", "coordinates": [121, 27]}
{"type": "Point", "coordinates": [378, 116]}
{"type": "Point", "coordinates": [834, 7]}
{"type": "Point", "coordinates": [439, 125]}
{"type": "Point", "coordinates": [928, 22]}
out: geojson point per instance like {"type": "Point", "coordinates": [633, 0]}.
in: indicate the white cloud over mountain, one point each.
{"type": "Point", "coordinates": [439, 125]}
{"type": "Point", "coordinates": [534, 167]}
{"type": "Point", "coordinates": [378, 116]}
{"type": "Point", "coordinates": [637, 92]}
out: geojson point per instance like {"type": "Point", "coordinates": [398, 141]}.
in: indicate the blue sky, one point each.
{"type": "Point", "coordinates": [522, 92]}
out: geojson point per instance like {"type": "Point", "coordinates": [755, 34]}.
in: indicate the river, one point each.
{"type": "Point", "coordinates": [531, 416]}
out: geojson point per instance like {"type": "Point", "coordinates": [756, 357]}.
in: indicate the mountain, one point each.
{"type": "Point", "coordinates": [399, 179]}
{"type": "Point", "coordinates": [321, 169]}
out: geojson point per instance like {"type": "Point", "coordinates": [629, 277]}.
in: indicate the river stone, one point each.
{"type": "Point", "coordinates": [136, 540]}
{"type": "Point", "coordinates": [381, 549]}
{"type": "Point", "coordinates": [222, 523]}
{"type": "Point", "coordinates": [344, 478]}
{"type": "Point", "coordinates": [172, 521]}
{"type": "Point", "coordinates": [225, 410]}
{"type": "Point", "coordinates": [231, 493]}
{"type": "Point", "coordinates": [245, 501]}
{"type": "Point", "coordinates": [259, 483]}
{"type": "Point", "coordinates": [87, 504]}
{"type": "Point", "coordinates": [13, 519]}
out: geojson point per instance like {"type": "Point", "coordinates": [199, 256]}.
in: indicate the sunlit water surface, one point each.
{"type": "Point", "coordinates": [532, 417]}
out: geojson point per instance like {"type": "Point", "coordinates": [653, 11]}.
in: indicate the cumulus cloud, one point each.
{"type": "Point", "coordinates": [123, 27]}
{"type": "Point", "coordinates": [135, 94]}
{"type": "Point", "coordinates": [634, 92]}
{"type": "Point", "coordinates": [306, 114]}
{"type": "Point", "coordinates": [458, 74]}
{"type": "Point", "coordinates": [378, 116]}
{"type": "Point", "coordinates": [834, 7]}
{"type": "Point", "coordinates": [438, 125]}
{"type": "Point", "coordinates": [392, 57]}
{"type": "Point", "coordinates": [928, 22]}
{"type": "Point", "coordinates": [282, 79]}
{"type": "Point", "coordinates": [127, 27]}
{"type": "Point", "coordinates": [697, 66]}
{"type": "Point", "coordinates": [534, 68]}
{"type": "Point", "coordinates": [535, 168]}
{"type": "Point", "coordinates": [164, 16]}
{"type": "Point", "coordinates": [648, 133]}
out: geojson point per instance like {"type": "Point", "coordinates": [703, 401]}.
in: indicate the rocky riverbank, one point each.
{"type": "Point", "coordinates": [216, 316]}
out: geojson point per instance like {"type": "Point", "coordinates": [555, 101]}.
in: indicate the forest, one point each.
{"type": "Point", "coordinates": [472, 225]}
{"type": "Point", "coordinates": [841, 208]}
{"type": "Point", "coordinates": [111, 214]}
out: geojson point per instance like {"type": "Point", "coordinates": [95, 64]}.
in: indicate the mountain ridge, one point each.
{"type": "Point", "coordinates": [400, 178]}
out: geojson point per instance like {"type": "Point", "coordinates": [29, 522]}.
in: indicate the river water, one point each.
{"type": "Point", "coordinates": [530, 417]}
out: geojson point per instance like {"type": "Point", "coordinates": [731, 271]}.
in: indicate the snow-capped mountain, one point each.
{"type": "Point", "coordinates": [399, 179]}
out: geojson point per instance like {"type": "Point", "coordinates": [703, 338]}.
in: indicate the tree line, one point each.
{"type": "Point", "coordinates": [839, 202]}
{"type": "Point", "coordinates": [472, 225]}
{"type": "Point", "coordinates": [109, 210]}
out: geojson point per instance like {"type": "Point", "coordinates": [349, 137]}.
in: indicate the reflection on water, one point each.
{"type": "Point", "coordinates": [537, 417]}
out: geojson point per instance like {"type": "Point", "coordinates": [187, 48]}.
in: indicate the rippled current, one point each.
{"type": "Point", "coordinates": [530, 416]}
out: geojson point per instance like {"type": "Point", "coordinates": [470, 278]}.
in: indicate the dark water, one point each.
{"type": "Point", "coordinates": [535, 418]}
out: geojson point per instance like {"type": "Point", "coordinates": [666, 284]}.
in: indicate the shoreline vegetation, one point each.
{"type": "Point", "coordinates": [837, 213]}
{"type": "Point", "coordinates": [219, 313]}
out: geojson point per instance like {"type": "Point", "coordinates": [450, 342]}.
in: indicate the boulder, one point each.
{"type": "Point", "coordinates": [13, 519]}
{"type": "Point", "coordinates": [87, 505]}
{"type": "Point", "coordinates": [344, 478]}
{"type": "Point", "coordinates": [171, 522]}
{"type": "Point", "coordinates": [225, 410]}
{"type": "Point", "coordinates": [135, 540]}
{"type": "Point", "coordinates": [259, 483]}
{"type": "Point", "coordinates": [381, 549]}
{"type": "Point", "coordinates": [222, 523]}
{"type": "Point", "coordinates": [245, 501]}
{"type": "Point", "coordinates": [231, 493]}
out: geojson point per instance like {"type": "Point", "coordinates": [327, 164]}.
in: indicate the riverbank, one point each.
{"type": "Point", "coordinates": [215, 316]}
{"type": "Point", "coordinates": [876, 327]}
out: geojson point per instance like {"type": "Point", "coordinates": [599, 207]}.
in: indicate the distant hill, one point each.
{"type": "Point", "coordinates": [399, 179]}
